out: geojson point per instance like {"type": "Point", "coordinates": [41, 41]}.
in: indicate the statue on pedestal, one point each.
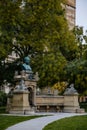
{"type": "Point", "coordinates": [25, 66]}
{"type": "Point", "coordinates": [24, 93]}
{"type": "Point", "coordinates": [21, 86]}
{"type": "Point", "coordinates": [70, 90]}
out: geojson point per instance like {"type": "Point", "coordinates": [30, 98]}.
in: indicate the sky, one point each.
{"type": "Point", "coordinates": [81, 13]}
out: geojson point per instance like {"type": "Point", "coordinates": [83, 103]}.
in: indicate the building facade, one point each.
{"type": "Point", "coordinates": [70, 8]}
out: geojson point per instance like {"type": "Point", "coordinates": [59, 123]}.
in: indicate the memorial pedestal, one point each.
{"type": "Point", "coordinates": [71, 103]}
{"type": "Point", "coordinates": [20, 103]}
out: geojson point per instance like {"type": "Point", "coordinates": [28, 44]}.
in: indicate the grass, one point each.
{"type": "Point", "coordinates": [7, 121]}
{"type": "Point", "coordinates": [72, 123]}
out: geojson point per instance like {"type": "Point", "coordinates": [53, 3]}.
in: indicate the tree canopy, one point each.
{"type": "Point", "coordinates": [38, 29]}
{"type": "Point", "coordinates": [76, 69]}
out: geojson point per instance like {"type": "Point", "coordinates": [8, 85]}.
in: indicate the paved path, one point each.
{"type": "Point", "coordinates": [39, 123]}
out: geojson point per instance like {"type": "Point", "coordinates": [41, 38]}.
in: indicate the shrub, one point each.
{"type": "Point", "coordinates": [3, 99]}
{"type": "Point", "coordinates": [3, 109]}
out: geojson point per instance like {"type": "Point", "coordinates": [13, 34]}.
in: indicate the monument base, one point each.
{"type": "Point", "coordinates": [81, 110]}
{"type": "Point", "coordinates": [24, 112]}
{"type": "Point", "coordinates": [73, 110]}
{"type": "Point", "coordinates": [20, 103]}
{"type": "Point", "coordinates": [70, 109]}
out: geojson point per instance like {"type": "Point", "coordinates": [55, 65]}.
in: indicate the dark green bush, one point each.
{"type": "Point", "coordinates": [84, 105]}
{"type": "Point", "coordinates": [3, 99]}
{"type": "Point", "coordinates": [3, 109]}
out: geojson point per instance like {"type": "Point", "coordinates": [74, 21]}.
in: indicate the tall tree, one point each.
{"type": "Point", "coordinates": [33, 24]}
{"type": "Point", "coordinates": [79, 65]}
{"type": "Point", "coordinates": [79, 74]}
{"type": "Point", "coordinates": [39, 29]}
{"type": "Point", "coordinates": [80, 37]}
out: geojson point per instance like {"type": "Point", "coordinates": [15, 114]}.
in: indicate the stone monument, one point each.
{"type": "Point", "coordinates": [24, 93]}
{"type": "Point", "coordinates": [25, 101]}
{"type": "Point", "coordinates": [71, 103]}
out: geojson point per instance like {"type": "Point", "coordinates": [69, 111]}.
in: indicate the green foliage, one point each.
{"type": "Point", "coordinates": [33, 25]}
{"type": "Point", "coordinates": [76, 69]}
{"type": "Point", "coordinates": [3, 99]}
{"type": "Point", "coordinates": [68, 45]}
{"type": "Point", "coordinates": [3, 109]}
{"type": "Point", "coordinates": [38, 29]}
{"type": "Point", "coordinates": [7, 13]}
{"type": "Point", "coordinates": [50, 68]}
{"type": "Point", "coordinates": [76, 72]}
{"type": "Point", "coordinates": [84, 105]}
{"type": "Point", "coordinates": [7, 71]}
{"type": "Point", "coordinates": [80, 39]}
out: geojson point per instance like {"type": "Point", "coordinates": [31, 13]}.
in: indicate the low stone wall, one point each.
{"type": "Point", "coordinates": [49, 103]}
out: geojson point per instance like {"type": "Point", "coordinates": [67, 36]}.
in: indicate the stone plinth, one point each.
{"type": "Point", "coordinates": [24, 93]}
{"type": "Point", "coordinates": [20, 103]}
{"type": "Point", "coordinates": [71, 103]}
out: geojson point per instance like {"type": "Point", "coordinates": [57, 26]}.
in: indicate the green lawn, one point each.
{"type": "Point", "coordinates": [72, 123]}
{"type": "Point", "coordinates": [6, 121]}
